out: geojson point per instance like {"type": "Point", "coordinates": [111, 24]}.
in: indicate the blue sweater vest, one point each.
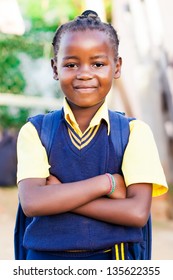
{"type": "Point", "coordinates": [69, 231]}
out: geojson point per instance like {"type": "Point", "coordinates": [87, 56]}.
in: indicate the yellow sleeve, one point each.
{"type": "Point", "coordinates": [141, 163]}
{"type": "Point", "coordinates": [31, 155]}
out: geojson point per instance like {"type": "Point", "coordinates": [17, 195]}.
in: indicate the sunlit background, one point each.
{"type": "Point", "coordinates": [145, 89]}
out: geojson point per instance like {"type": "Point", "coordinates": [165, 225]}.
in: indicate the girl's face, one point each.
{"type": "Point", "coordinates": [86, 67]}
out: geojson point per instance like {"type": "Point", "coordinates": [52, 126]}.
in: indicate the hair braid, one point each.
{"type": "Point", "coordinates": [88, 20]}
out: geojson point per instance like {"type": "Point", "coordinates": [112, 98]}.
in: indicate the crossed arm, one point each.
{"type": "Point", "coordinates": [126, 206]}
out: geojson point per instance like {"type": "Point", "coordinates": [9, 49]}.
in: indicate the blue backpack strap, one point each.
{"type": "Point", "coordinates": [120, 135]}
{"type": "Point", "coordinates": [21, 223]}
{"type": "Point", "coordinates": [142, 251]}
{"type": "Point", "coordinates": [50, 124]}
{"type": "Point", "coordinates": [46, 126]}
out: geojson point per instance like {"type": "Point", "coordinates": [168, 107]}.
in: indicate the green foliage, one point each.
{"type": "Point", "coordinates": [108, 8]}
{"type": "Point", "coordinates": [47, 15]}
{"type": "Point", "coordinates": [11, 78]}
{"type": "Point", "coordinates": [12, 117]}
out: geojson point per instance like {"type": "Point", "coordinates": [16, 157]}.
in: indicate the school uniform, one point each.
{"type": "Point", "coordinates": [76, 156]}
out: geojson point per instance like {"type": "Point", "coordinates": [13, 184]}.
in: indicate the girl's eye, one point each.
{"type": "Point", "coordinates": [71, 65]}
{"type": "Point", "coordinates": [98, 64]}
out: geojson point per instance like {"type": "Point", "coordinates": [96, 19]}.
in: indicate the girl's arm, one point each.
{"type": "Point", "coordinates": [132, 211]}
{"type": "Point", "coordinates": [86, 198]}
{"type": "Point", "coordinates": [47, 197]}
{"type": "Point", "coordinates": [38, 199]}
{"type": "Point", "coordinates": [119, 181]}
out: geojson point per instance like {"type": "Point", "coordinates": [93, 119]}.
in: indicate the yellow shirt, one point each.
{"type": "Point", "coordinates": [141, 163]}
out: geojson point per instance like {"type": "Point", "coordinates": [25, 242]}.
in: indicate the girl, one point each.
{"type": "Point", "coordinates": [81, 207]}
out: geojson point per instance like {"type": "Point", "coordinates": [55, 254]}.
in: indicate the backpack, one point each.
{"type": "Point", "coordinates": [50, 123]}
{"type": "Point", "coordinates": [8, 159]}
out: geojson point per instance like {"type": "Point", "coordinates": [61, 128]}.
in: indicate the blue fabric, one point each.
{"type": "Point", "coordinates": [37, 255]}
{"type": "Point", "coordinates": [75, 231]}
{"type": "Point", "coordinates": [142, 250]}
{"type": "Point", "coordinates": [21, 224]}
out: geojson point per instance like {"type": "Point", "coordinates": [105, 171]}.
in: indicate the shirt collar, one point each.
{"type": "Point", "coordinates": [102, 113]}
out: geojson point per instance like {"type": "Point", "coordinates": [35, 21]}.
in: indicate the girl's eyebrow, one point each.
{"type": "Point", "coordinates": [70, 57]}
{"type": "Point", "coordinates": [92, 57]}
{"type": "Point", "coordinates": [99, 56]}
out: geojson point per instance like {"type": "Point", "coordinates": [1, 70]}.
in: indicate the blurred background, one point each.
{"type": "Point", "coordinates": [145, 89]}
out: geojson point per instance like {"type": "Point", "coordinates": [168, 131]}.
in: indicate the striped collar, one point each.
{"type": "Point", "coordinates": [102, 113]}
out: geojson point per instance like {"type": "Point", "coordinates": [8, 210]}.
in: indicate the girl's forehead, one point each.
{"type": "Point", "coordinates": [85, 39]}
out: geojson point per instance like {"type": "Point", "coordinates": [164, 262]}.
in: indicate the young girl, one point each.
{"type": "Point", "coordinates": [80, 205]}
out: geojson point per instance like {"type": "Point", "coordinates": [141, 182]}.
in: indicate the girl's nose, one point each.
{"type": "Point", "coordinates": [84, 73]}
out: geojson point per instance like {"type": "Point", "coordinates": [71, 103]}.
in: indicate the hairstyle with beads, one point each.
{"type": "Point", "coordinates": [88, 20]}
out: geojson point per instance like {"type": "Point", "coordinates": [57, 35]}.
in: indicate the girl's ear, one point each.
{"type": "Point", "coordinates": [54, 67]}
{"type": "Point", "coordinates": [118, 68]}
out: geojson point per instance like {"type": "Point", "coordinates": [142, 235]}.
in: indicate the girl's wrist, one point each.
{"type": "Point", "coordinates": [112, 184]}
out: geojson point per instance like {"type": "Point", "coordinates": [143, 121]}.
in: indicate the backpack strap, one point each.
{"type": "Point", "coordinates": [49, 126]}
{"type": "Point", "coordinates": [119, 133]}
{"type": "Point", "coordinates": [46, 125]}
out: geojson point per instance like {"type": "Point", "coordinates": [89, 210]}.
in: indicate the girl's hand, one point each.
{"type": "Point", "coordinates": [52, 180]}
{"type": "Point", "coordinates": [120, 189]}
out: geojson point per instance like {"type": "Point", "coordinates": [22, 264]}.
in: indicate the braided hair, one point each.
{"type": "Point", "coordinates": [88, 20]}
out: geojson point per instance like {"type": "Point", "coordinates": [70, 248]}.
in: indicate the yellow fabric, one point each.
{"type": "Point", "coordinates": [119, 252]}
{"type": "Point", "coordinates": [90, 135]}
{"type": "Point", "coordinates": [122, 251]}
{"type": "Point", "coordinates": [141, 161]}
{"type": "Point", "coordinates": [32, 157]}
{"type": "Point", "coordinates": [117, 257]}
{"type": "Point", "coordinates": [102, 113]}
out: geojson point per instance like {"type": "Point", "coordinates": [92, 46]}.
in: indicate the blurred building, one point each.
{"type": "Point", "coordinates": [145, 89]}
